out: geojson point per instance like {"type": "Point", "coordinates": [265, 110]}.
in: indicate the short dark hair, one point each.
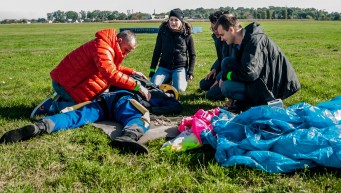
{"type": "Point", "coordinates": [215, 16]}
{"type": "Point", "coordinates": [127, 36]}
{"type": "Point", "coordinates": [227, 21]}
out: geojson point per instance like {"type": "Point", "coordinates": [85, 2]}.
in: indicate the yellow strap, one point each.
{"type": "Point", "coordinates": [75, 107]}
{"type": "Point", "coordinates": [142, 109]}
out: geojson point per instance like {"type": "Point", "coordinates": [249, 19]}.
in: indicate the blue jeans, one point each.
{"type": "Point", "coordinates": [61, 92]}
{"type": "Point", "coordinates": [178, 76]}
{"type": "Point", "coordinates": [215, 93]}
{"type": "Point", "coordinates": [64, 100]}
{"type": "Point", "coordinates": [234, 90]}
{"type": "Point", "coordinates": [122, 111]}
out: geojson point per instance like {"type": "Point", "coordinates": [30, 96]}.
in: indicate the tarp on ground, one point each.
{"type": "Point", "coordinates": [160, 127]}
{"type": "Point", "coordinates": [279, 140]}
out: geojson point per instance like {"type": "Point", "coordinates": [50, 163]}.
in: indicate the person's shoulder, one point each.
{"type": "Point", "coordinates": [163, 25]}
{"type": "Point", "coordinates": [106, 33]}
{"type": "Point", "coordinates": [107, 30]}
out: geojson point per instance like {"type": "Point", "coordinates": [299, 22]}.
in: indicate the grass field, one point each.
{"type": "Point", "coordinates": [81, 160]}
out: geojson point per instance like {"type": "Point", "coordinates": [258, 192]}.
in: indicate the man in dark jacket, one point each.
{"type": "Point", "coordinates": [260, 72]}
{"type": "Point", "coordinates": [210, 82]}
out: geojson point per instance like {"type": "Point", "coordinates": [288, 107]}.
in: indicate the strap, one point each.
{"type": "Point", "coordinates": [75, 107]}
{"type": "Point", "coordinates": [145, 117]}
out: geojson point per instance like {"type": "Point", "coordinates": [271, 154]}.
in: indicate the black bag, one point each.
{"type": "Point", "coordinates": [160, 103]}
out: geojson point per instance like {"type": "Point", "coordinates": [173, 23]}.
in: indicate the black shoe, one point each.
{"type": "Point", "coordinates": [243, 106]}
{"type": "Point", "coordinates": [238, 107]}
{"type": "Point", "coordinates": [21, 134]}
{"type": "Point", "coordinates": [129, 145]}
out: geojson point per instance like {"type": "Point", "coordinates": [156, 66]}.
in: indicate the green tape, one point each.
{"type": "Point", "coordinates": [229, 75]}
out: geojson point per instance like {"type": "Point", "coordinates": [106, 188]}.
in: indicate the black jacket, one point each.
{"type": "Point", "coordinates": [263, 67]}
{"type": "Point", "coordinates": [174, 49]}
{"type": "Point", "coordinates": [223, 50]}
{"type": "Point", "coordinates": [159, 104]}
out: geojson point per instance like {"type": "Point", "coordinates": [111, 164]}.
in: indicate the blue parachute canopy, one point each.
{"type": "Point", "coordinates": [279, 140]}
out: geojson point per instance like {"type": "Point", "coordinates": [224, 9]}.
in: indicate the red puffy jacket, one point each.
{"type": "Point", "coordinates": [90, 69]}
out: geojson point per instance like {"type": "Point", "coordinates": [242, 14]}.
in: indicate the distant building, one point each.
{"type": "Point", "coordinates": [159, 16]}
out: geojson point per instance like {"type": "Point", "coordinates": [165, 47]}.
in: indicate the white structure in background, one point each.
{"type": "Point", "coordinates": [159, 16]}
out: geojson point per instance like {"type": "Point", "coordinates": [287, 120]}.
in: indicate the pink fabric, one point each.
{"type": "Point", "coordinates": [198, 122]}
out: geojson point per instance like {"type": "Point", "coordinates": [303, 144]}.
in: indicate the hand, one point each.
{"type": "Point", "coordinates": [190, 77]}
{"type": "Point", "coordinates": [212, 73]}
{"type": "Point", "coordinates": [144, 92]}
{"type": "Point", "coordinates": [220, 82]}
{"type": "Point", "coordinates": [140, 74]}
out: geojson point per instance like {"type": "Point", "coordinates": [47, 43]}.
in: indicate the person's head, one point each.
{"type": "Point", "coordinates": [176, 18]}
{"type": "Point", "coordinates": [127, 41]}
{"type": "Point", "coordinates": [213, 19]}
{"type": "Point", "coordinates": [227, 27]}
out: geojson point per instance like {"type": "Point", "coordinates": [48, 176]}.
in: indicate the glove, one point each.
{"type": "Point", "coordinates": [144, 92]}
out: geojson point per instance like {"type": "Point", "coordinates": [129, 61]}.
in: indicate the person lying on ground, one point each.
{"type": "Point", "coordinates": [129, 108]}
{"type": "Point", "coordinates": [120, 106]}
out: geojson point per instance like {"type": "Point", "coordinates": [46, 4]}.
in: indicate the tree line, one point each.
{"type": "Point", "coordinates": [271, 12]}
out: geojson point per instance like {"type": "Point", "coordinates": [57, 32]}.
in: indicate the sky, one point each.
{"type": "Point", "coordinates": [34, 9]}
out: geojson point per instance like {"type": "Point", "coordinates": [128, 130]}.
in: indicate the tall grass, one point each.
{"type": "Point", "coordinates": [81, 160]}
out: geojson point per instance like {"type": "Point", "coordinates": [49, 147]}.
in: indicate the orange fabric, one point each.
{"type": "Point", "coordinates": [90, 69]}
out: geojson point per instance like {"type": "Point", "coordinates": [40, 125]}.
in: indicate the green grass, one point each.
{"type": "Point", "coordinates": [81, 160]}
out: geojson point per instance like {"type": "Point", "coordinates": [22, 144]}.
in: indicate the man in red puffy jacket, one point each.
{"type": "Point", "coordinates": [89, 70]}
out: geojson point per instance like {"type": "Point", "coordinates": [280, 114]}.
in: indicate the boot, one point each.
{"type": "Point", "coordinates": [128, 144]}
{"type": "Point", "coordinates": [23, 133]}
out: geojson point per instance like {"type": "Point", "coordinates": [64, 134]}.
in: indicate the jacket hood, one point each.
{"type": "Point", "coordinates": [108, 35]}
{"type": "Point", "coordinates": [253, 29]}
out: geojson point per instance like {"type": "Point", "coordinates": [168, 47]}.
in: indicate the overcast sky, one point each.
{"type": "Point", "coordinates": [34, 9]}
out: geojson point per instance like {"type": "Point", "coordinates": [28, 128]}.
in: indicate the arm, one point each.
{"type": "Point", "coordinates": [114, 73]}
{"type": "Point", "coordinates": [156, 54]}
{"type": "Point", "coordinates": [214, 71]}
{"type": "Point", "coordinates": [127, 70]}
{"type": "Point", "coordinates": [250, 65]}
{"type": "Point", "coordinates": [191, 55]}
{"type": "Point", "coordinates": [216, 65]}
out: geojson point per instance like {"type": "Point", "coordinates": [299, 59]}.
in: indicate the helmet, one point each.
{"type": "Point", "coordinates": [170, 90]}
